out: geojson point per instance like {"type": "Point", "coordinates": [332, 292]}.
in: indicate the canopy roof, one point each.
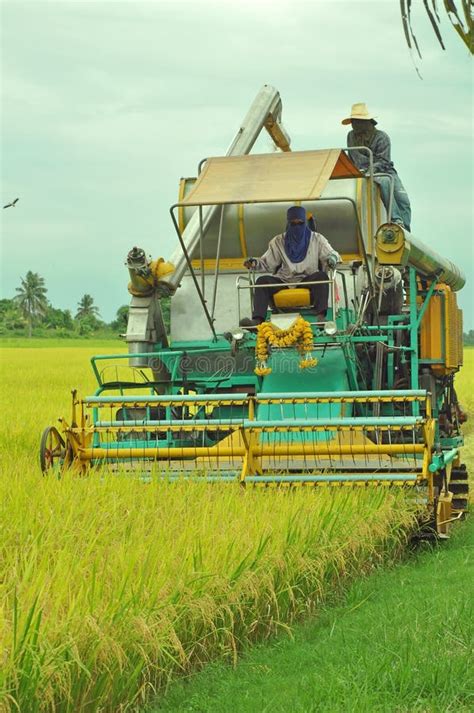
{"type": "Point", "coordinates": [269, 178]}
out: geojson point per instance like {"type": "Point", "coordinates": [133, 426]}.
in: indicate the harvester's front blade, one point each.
{"type": "Point", "coordinates": [267, 439]}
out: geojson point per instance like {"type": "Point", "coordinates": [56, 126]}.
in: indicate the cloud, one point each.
{"type": "Point", "coordinates": [107, 104]}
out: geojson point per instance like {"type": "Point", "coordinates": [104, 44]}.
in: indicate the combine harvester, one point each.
{"type": "Point", "coordinates": [365, 397]}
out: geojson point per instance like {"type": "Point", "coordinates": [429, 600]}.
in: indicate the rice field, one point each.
{"type": "Point", "coordinates": [112, 587]}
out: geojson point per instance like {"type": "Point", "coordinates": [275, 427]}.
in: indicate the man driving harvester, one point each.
{"type": "Point", "coordinates": [293, 256]}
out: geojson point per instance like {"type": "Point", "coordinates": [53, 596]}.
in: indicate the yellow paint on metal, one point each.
{"type": "Point", "coordinates": [339, 399]}
{"type": "Point", "coordinates": [352, 484]}
{"type": "Point", "coordinates": [460, 337]}
{"type": "Point", "coordinates": [143, 286]}
{"type": "Point", "coordinates": [392, 253]}
{"type": "Point", "coordinates": [225, 263]}
{"type": "Point", "coordinates": [273, 451]}
{"type": "Point", "coordinates": [250, 463]}
{"type": "Point", "coordinates": [177, 401]}
{"type": "Point", "coordinates": [236, 263]}
{"type": "Point", "coordinates": [296, 399]}
{"type": "Point", "coordinates": [181, 194]}
{"type": "Point", "coordinates": [347, 257]}
{"type": "Point", "coordinates": [243, 242]}
{"type": "Point", "coordinates": [431, 340]}
{"type": "Point", "coordinates": [377, 198]}
{"type": "Point", "coordinates": [378, 203]}
{"type": "Point", "coordinates": [444, 513]}
{"type": "Point", "coordinates": [246, 450]}
{"type": "Point", "coordinates": [143, 289]}
{"type": "Point", "coordinates": [370, 198]}
{"type": "Point", "coordinates": [453, 358]}
{"type": "Point", "coordinates": [191, 426]}
{"type": "Point", "coordinates": [160, 268]}
{"type": "Point", "coordinates": [359, 198]}
{"type": "Point", "coordinates": [441, 331]}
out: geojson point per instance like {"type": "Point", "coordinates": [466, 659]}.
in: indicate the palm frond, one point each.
{"type": "Point", "coordinates": [434, 23]}
{"type": "Point", "coordinates": [464, 27]}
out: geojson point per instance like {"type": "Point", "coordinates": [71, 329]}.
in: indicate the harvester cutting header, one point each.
{"type": "Point", "coordinates": [361, 391]}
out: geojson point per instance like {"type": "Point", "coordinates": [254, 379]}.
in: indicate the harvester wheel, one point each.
{"type": "Point", "coordinates": [52, 449]}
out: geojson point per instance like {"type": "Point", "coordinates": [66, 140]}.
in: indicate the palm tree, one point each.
{"type": "Point", "coordinates": [87, 308]}
{"type": "Point", "coordinates": [31, 298]}
{"type": "Point", "coordinates": [462, 21]}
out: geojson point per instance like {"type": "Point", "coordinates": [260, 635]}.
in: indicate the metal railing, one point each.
{"type": "Point", "coordinates": [283, 431]}
{"type": "Point", "coordinates": [391, 194]}
{"type": "Point", "coordinates": [202, 229]}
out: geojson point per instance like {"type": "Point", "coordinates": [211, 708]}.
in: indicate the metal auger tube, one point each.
{"type": "Point", "coordinates": [396, 246]}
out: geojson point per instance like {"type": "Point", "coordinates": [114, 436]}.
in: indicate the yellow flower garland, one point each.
{"type": "Point", "coordinates": [299, 334]}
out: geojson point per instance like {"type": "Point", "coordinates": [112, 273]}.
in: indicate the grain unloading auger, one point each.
{"type": "Point", "coordinates": [364, 397]}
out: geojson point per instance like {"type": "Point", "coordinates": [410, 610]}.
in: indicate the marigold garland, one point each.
{"type": "Point", "coordinates": [299, 334]}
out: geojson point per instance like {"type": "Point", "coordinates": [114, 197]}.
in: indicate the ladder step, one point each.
{"type": "Point", "coordinates": [459, 473]}
{"type": "Point", "coordinates": [458, 488]}
{"type": "Point", "coordinates": [460, 504]}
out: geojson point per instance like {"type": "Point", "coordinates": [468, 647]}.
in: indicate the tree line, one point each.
{"type": "Point", "coordinates": [30, 313]}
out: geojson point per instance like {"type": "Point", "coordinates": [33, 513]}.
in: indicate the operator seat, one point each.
{"type": "Point", "coordinates": [291, 297]}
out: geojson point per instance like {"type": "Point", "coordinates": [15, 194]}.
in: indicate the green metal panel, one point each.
{"type": "Point", "coordinates": [330, 374]}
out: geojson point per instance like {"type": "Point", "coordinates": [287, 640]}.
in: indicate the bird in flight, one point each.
{"type": "Point", "coordinates": [12, 204]}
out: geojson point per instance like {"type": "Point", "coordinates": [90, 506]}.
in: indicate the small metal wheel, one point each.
{"type": "Point", "coordinates": [52, 449]}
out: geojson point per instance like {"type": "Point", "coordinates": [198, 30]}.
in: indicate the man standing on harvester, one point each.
{"type": "Point", "coordinates": [364, 133]}
{"type": "Point", "coordinates": [297, 255]}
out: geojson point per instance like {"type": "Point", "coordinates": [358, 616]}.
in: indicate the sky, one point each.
{"type": "Point", "coordinates": [105, 105]}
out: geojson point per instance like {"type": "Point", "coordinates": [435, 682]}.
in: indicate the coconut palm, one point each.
{"type": "Point", "coordinates": [31, 298]}
{"type": "Point", "coordinates": [87, 308]}
{"type": "Point", "coordinates": [461, 20]}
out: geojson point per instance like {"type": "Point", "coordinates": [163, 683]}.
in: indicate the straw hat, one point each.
{"type": "Point", "coordinates": [359, 111]}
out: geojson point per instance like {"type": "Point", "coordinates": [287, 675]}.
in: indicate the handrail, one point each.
{"type": "Point", "coordinates": [301, 285]}
{"type": "Point", "coordinates": [200, 290]}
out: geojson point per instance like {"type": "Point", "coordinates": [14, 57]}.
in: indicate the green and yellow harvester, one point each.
{"type": "Point", "coordinates": [364, 397]}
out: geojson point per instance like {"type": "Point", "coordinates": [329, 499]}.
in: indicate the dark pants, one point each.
{"type": "Point", "coordinates": [318, 293]}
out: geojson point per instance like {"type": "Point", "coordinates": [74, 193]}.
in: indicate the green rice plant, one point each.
{"type": "Point", "coordinates": [112, 587]}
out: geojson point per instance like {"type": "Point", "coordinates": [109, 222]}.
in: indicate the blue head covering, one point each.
{"type": "Point", "coordinates": [297, 237]}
